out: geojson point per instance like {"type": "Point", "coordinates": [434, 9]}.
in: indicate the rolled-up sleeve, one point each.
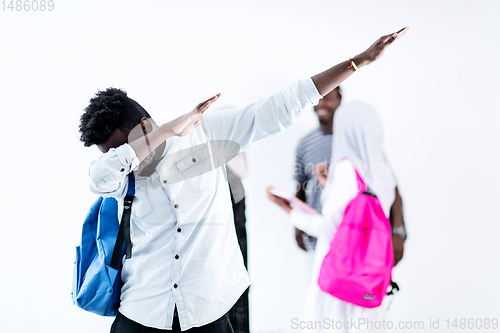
{"type": "Point", "coordinates": [107, 174]}
{"type": "Point", "coordinates": [267, 116]}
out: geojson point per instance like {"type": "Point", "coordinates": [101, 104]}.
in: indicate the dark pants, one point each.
{"type": "Point", "coordinates": [124, 325]}
{"type": "Point", "coordinates": [239, 315]}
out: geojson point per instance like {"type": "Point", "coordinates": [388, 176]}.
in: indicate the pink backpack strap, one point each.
{"type": "Point", "coordinates": [361, 183]}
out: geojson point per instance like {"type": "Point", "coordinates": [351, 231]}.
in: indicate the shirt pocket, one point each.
{"type": "Point", "coordinates": [196, 169]}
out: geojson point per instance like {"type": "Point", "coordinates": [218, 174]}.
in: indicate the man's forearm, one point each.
{"type": "Point", "coordinates": [181, 126]}
{"type": "Point", "coordinates": [331, 78]}
{"type": "Point", "coordinates": [155, 138]}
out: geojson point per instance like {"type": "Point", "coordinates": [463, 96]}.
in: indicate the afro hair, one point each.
{"type": "Point", "coordinates": [107, 111]}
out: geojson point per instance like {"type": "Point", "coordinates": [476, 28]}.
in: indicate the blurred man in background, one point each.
{"type": "Point", "coordinates": [313, 149]}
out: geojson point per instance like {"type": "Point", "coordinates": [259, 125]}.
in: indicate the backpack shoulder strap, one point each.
{"type": "Point", "coordinates": [124, 231]}
{"type": "Point", "coordinates": [361, 183]}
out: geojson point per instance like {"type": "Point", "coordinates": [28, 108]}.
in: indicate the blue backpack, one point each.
{"type": "Point", "coordinates": [98, 263]}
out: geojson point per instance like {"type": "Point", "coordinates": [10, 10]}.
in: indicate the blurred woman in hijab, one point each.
{"type": "Point", "coordinates": [357, 143]}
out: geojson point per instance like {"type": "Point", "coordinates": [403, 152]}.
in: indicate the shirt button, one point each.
{"type": "Point", "coordinates": [164, 181]}
{"type": "Point", "coordinates": [176, 256]}
{"type": "Point", "coordinates": [175, 285]}
{"type": "Point", "coordinates": [178, 229]}
{"type": "Point", "coordinates": [122, 169]}
{"type": "Point", "coordinates": [194, 160]}
{"type": "Point", "coordinates": [176, 206]}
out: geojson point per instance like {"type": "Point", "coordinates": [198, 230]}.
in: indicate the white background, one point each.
{"type": "Point", "coordinates": [436, 90]}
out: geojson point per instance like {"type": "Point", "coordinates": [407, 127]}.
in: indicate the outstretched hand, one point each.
{"type": "Point", "coordinates": [377, 49]}
{"type": "Point", "coordinates": [278, 200]}
{"type": "Point", "coordinates": [185, 124]}
{"type": "Point", "coordinates": [328, 80]}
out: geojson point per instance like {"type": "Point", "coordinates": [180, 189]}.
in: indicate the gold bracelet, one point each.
{"type": "Point", "coordinates": [353, 65]}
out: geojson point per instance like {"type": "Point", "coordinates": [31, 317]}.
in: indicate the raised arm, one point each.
{"type": "Point", "coordinates": [275, 113]}
{"type": "Point", "coordinates": [328, 80]}
{"type": "Point", "coordinates": [144, 140]}
{"type": "Point", "coordinates": [122, 153]}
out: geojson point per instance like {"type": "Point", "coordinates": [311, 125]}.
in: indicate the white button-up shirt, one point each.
{"type": "Point", "coordinates": [184, 246]}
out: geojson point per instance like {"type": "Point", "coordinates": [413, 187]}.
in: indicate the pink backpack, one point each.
{"type": "Point", "coordinates": [357, 269]}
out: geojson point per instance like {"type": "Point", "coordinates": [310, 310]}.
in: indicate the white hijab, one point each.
{"type": "Point", "coordinates": [358, 136]}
